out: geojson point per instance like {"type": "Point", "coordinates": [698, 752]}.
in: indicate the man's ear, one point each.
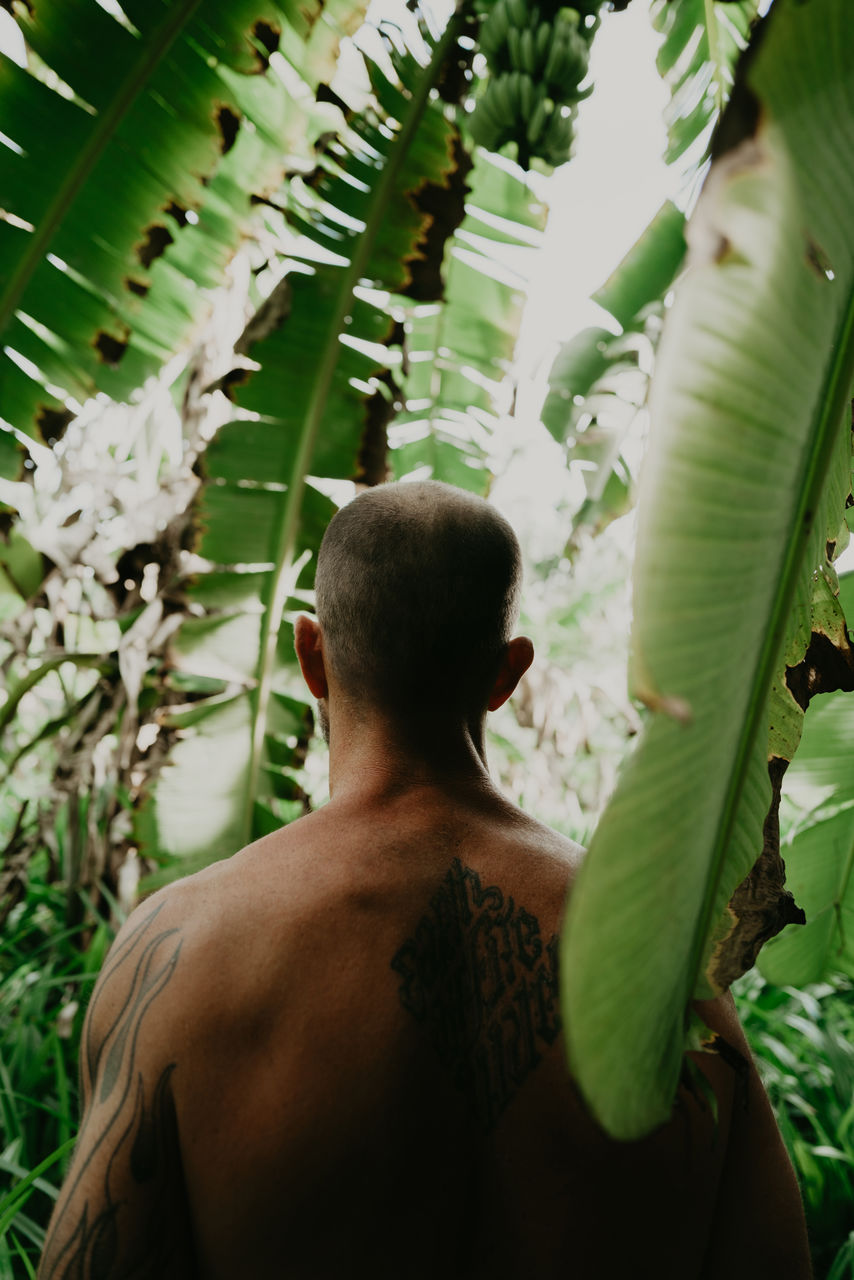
{"type": "Point", "coordinates": [308, 642]}
{"type": "Point", "coordinates": [518, 656]}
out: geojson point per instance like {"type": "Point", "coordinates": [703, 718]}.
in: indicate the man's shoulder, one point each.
{"type": "Point", "coordinates": [226, 890]}
{"type": "Point", "coordinates": [222, 911]}
{"type": "Point", "coordinates": [545, 843]}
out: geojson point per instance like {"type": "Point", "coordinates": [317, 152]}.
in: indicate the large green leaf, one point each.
{"type": "Point", "coordinates": [132, 185]}
{"type": "Point", "coordinates": [748, 404]}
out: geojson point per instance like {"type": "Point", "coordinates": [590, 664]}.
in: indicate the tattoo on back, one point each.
{"type": "Point", "coordinates": [481, 979]}
{"type": "Point", "coordinates": [130, 1130]}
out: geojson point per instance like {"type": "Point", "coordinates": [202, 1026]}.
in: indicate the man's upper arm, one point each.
{"type": "Point", "coordinates": [759, 1227]}
{"type": "Point", "coordinates": [122, 1210]}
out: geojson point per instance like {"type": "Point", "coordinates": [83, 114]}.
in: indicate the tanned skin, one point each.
{"type": "Point", "coordinates": [339, 1054]}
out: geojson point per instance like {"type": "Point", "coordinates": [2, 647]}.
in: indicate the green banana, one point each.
{"type": "Point", "coordinates": [526, 47]}
{"type": "Point", "coordinates": [506, 98]}
{"type": "Point", "coordinates": [556, 140]}
{"type": "Point", "coordinates": [543, 42]}
{"type": "Point", "coordinates": [537, 120]}
{"type": "Point", "coordinates": [494, 29]}
{"type": "Point", "coordinates": [525, 92]}
{"type": "Point", "coordinates": [567, 63]}
{"type": "Point", "coordinates": [514, 41]}
{"type": "Point", "coordinates": [517, 11]}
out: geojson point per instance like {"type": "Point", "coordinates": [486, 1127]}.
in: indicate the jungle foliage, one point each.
{"type": "Point", "coordinates": [267, 228]}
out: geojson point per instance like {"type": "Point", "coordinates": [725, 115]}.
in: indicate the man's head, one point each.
{"type": "Point", "coordinates": [417, 593]}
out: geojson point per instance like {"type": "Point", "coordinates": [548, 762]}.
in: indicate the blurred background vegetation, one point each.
{"type": "Point", "coordinates": [281, 270]}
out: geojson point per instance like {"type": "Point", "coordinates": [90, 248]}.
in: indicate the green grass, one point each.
{"type": "Point", "coordinates": [46, 974]}
{"type": "Point", "coordinates": [804, 1045]}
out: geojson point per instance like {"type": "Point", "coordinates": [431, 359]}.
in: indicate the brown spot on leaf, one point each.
{"type": "Point", "coordinates": [176, 211]}
{"type": "Point", "coordinates": [271, 204]}
{"type": "Point", "coordinates": [155, 241]}
{"type": "Point", "coordinates": [443, 207]}
{"type": "Point", "coordinates": [455, 76]}
{"type": "Point", "coordinates": [724, 248]}
{"type": "Point", "coordinates": [52, 422]}
{"type": "Point", "coordinates": [315, 179]}
{"type": "Point", "coordinates": [267, 36]}
{"type": "Point", "coordinates": [230, 381]}
{"type": "Point", "coordinates": [325, 94]}
{"type": "Point", "coordinates": [380, 409]}
{"type": "Point", "coordinates": [760, 906]}
{"type": "Point", "coordinates": [271, 314]}
{"type": "Point", "coordinates": [228, 123]}
{"type": "Point", "coordinates": [110, 348]}
{"type": "Point", "coordinates": [139, 287]}
{"type": "Point", "coordinates": [396, 337]}
{"type": "Point", "coordinates": [818, 260]}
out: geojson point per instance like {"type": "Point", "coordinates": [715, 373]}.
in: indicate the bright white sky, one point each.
{"type": "Point", "coordinates": [599, 204]}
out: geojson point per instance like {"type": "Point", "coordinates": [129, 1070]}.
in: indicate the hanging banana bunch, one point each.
{"type": "Point", "coordinates": [538, 56]}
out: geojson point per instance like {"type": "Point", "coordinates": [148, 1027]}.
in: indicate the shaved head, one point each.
{"type": "Point", "coordinates": [417, 593]}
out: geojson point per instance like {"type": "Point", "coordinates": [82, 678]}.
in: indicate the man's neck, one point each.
{"type": "Point", "coordinates": [374, 756]}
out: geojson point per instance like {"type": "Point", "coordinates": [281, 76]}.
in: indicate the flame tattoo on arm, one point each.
{"type": "Point", "coordinates": [122, 1214]}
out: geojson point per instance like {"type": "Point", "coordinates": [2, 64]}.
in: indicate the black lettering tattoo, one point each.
{"type": "Point", "coordinates": [129, 1130]}
{"type": "Point", "coordinates": [479, 976]}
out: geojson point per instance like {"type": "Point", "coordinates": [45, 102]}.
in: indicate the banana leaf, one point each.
{"type": "Point", "coordinates": [702, 42]}
{"type": "Point", "coordinates": [749, 412]}
{"type": "Point", "coordinates": [374, 216]}
{"type": "Point", "coordinates": [137, 149]}
{"type": "Point", "coordinates": [590, 403]}
{"type": "Point", "coordinates": [457, 353]}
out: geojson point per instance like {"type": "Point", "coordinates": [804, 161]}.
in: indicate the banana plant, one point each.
{"type": "Point", "coordinates": [374, 299]}
{"type": "Point", "coordinates": [741, 504]}
{"type": "Point", "coordinates": [135, 148]}
{"type": "Point", "coordinates": [416, 230]}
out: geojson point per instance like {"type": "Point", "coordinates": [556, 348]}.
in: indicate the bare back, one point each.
{"type": "Point", "coordinates": [357, 1024]}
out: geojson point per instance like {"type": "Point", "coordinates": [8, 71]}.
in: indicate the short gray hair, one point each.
{"type": "Point", "coordinates": [417, 592]}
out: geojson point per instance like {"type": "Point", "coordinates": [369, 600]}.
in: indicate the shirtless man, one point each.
{"type": "Point", "coordinates": [338, 1053]}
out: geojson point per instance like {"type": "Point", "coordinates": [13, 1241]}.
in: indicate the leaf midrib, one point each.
{"type": "Point", "coordinates": [154, 49]}
{"type": "Point", "coordinates": [287, 524]}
